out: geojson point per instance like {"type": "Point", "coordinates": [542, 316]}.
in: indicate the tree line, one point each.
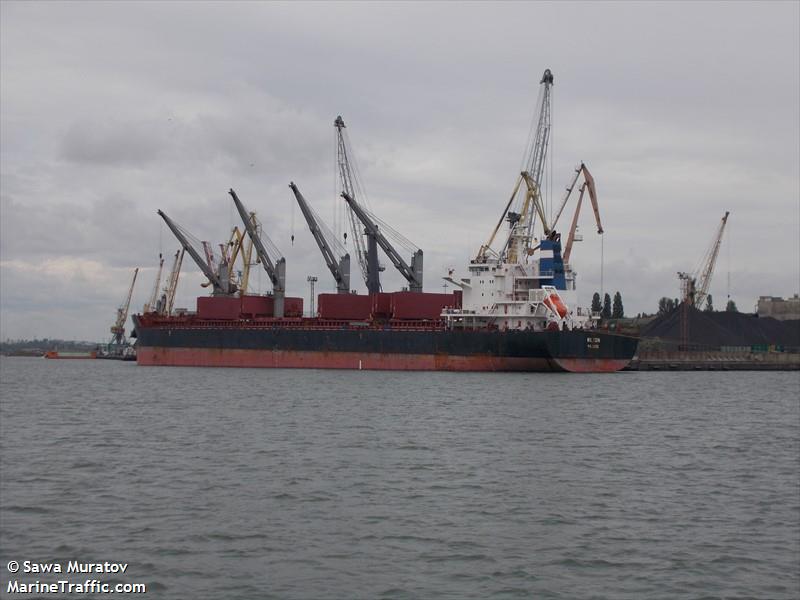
{"type": "Point", "coordinates": [614, 309]}
{"type": "Point", "coordinates": [666, 305]}
{"type": "Point", "coordinates": [607, 309]}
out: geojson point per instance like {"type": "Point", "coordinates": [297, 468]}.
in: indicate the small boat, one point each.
{"type": "Point", "coordinates": [71, 355]}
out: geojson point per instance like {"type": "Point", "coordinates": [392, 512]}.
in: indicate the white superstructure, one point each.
{"type": "Point", "coordinates": [526, 284]}
{"type": "Point", "coordinates": [517, 295]}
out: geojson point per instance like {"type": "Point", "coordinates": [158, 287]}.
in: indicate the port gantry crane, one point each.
{"type": "Point", "coordinates": [522, 220]}
{"type": "Point", "coordinates": [523, 217]}
{"type": "Point", "coordinates": [118, 328]}
{"type": "Point", "coordinates": [695, 285]}
{"type": "Point", "coordinates": [276, 270]}
{"type": "Point", "coordinates": [371, 227]}
{"type": "Point", "coordinates": [588, 184]}
{"type": "Point", "coordinates": [167, 300]}
{"type": "Point", "coordinates": [340, 269]}
{"type": "Point", "coordinates": [151, 304]}
{"type": "Point", "coordinates": [217, 275]}
{"type": "Point", "coordinates": [241, 245]}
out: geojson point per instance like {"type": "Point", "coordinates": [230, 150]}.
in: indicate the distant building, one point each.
{"type": "Point", "coordinates": [778, 308]}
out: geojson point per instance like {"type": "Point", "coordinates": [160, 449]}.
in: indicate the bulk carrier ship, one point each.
{"type": "Point", "coordinates": [517, 310]}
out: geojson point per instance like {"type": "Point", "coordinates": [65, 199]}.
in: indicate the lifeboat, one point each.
{"type": "Point", "coordinates": [556, 304]}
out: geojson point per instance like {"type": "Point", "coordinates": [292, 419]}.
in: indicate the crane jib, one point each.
{"type": "Point", "coordinates": [339, 269]}
{"type": "Point", "coordinates": [413, 273]}
{"type": "Point", "coordinates": [210, 275]}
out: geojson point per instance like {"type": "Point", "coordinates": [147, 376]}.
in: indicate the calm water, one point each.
{"type": "Point", "coordinates": [218, 483]}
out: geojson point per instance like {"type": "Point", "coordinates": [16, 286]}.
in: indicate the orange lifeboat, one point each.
{"type": "Point", "coordinates": [554, 303]}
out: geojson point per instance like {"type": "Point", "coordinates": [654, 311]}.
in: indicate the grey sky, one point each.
{"type": "Point", "coordinates": [110, 111]}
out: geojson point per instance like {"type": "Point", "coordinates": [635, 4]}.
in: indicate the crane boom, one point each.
{"type": "Point", "coordinates": [232, 251]}
{"type": "Point", "coordinates": [487, 247]}
{"type": "Point", "coordinates": [151, 304]}
{"type": "Point", "coordinates": [221, 285]}
{"type": "Point", "coordinates": [707, 271]}
{"type": "Point", "coordinates": [118, 329]}
{"type": "Point", "coordinates": [533, 200]}
{"type": "Point", "coordinates": [276, 271]}
{"type": "Point", "coordinates": [168, 297]}
{"type": "Point", "coordinates": [536, 162]}
{"type": "Point", "coordinates": [413, 273]}
{"type": "Point", "coordinates": [369, 271]}
{"type": "Point", "coordinates": [340, 269]}
{"type": "Point", "coordinates": [209, 255]}
{"type": "Point", "coordinates": [240, 244]}
{"type": "Point", "coordinates": [234, 244]}
{"type": "Point", "coordinates": [247, 255]}
{"type": "Point", "coordinates": [588, 184]}
{"type": "Point", "coordinates": [521, 219]}
{"type": "Point", "coordinates": [593, 197]}
{"type": "Point", "coordinates": [164, 304]}
{"type": "Point", "coordinates": [538, 149]}
{"type": "Point", "coordinates": [695, 286]}
{"type": "Point", "coordinates": [567, 193]}
{"type": "Point", "coordinates": [574, 227]}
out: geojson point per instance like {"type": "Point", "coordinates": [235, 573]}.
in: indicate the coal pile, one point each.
{"type": "Point", "coordinates": [717, 329]}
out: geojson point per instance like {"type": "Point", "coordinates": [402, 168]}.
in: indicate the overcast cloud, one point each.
{"type": "Point", "coordinates": [110, 111]}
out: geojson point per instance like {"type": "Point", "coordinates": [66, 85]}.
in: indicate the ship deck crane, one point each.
{"type": "Point", "coordinates": [219, 278]}
{"type": "Point", "coordinates": [588, 184]}
{"type": "Point", "coordinates": [412, 273]}
{"type": "Point", "coordinates": [366, 254]}
{"type": "Point", "coordinates": [118, 328]}
{"type": "Point", "coordinates": [695, 285]}
{"type": "Point", "coordinates": [340, 269]}
{"type": "Point", "coordinates": [276, 271]}
{"type": "Point", "coordinates": [522, 219]}
{"type": "Point", "coordinates": [151, 304]}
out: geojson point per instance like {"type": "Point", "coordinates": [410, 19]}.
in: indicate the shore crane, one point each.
{"type": "Point", "coordinates": [695, 285]}
{"type": "Point", "coordinates": [275, 269]}
{"type": "Point", "coordinates": [340, 269]}
{"type": "Point", "coordinates": [167, 300]}
{"type": "Point", "coordinates": [118, 328]}
{"type": "Point", "coordinates": [588, 184]}
{"type": "Point", "coordinates": [151, 304]}
{"type": "Point", "coordinates": [521, 219]}
{"type": "Point", "coordinates": [217, 275]}
{"type": "Point", "coordinates": [240, 245]}
{"type": "Point", "coordinates": [375, 237]}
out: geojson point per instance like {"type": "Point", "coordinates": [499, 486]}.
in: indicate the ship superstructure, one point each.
{"type": "Point", "coordinates": [527, 283]}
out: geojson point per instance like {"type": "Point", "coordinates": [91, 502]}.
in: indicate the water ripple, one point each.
{"type": "Point", "coordinates": [239, 484]}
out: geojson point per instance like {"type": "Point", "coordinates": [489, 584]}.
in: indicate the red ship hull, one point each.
{"type": "Point", "coordinates": [209, 340]}
{"type": "Point", "coordinates": [288, 359]}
